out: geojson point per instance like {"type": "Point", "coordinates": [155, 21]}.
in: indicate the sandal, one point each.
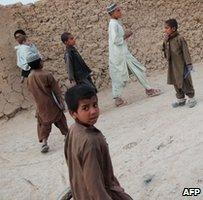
{"type": "Point", "coordinates": [120, 102]}
{"type": "Point", "coordinates": [153, 92]}
{"type": "Point", "coordinates": [45, 148]}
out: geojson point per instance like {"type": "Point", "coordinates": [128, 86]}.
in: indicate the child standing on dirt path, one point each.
{"type": "Point", "coordinates": [179, 64]}
{"type": "Point", "coordinates": [121, 61]}
{"type": "Point", "coordinates": [86, 150]}
{"type": "Point", "coordinates": [47, 96]}
{"type": "Point", "coordinates": [78, 71]}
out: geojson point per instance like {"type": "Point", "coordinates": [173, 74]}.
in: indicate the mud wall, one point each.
{"type": "Point", "coordinates": [87, 20]}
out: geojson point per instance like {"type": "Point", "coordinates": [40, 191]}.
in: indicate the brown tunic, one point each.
{"type": "Point", "coordinates": [40, 84]}
{"type": "Point", "coordinates": [90, 168]}
{"type": "Point", "coordinates": [178, 56]}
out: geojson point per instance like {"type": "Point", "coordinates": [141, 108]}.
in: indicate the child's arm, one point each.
{"type": "Point", "coordinates": [92, 173]}
{"type": "Point", "coordinates": [164, 49]}
{"type": "Point", "coordinates": [69, 67]}
{"type": "Point", "coordinates": [55, 89]}
{"type": "Point", "coordinates": [21, 59]}
{"type": "Point", "coordinates": [117, 38]}
{"type": "Point", "coordinates": [186, 54]}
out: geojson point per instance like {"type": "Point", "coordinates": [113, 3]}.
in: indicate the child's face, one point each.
{"type": "Point", "coordinates": [117, 13]}
{"type": "Point", "coordinates": [168, 30]}
{"type": "Point", "coordinates": [71, 41]}
{"type": "Point", "coordinates": [20, 38]}
{"type": "Point", "coordinates": [88, 111]}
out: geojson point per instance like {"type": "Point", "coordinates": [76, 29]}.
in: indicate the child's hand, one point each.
{"type": "Point", "coordinates": [72, 83]}
{"type": "Point", "coordinates": [190, 67]}
{"type": "Point", "coordinates": [128, 34]}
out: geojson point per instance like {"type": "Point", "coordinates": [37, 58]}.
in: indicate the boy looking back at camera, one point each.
{"type": "Point", "coordinates": [86, 150]}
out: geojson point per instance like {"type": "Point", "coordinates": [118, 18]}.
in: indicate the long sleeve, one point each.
{"type": "Point", "coordinates": [186, 53]}
{"type": "Point", "coordinates": [21, 58]}
{"type": "Point", "coordinates": [117, 37]}
{"type": "Point", "coordinates": [55, 89]}
{"type": "Point", "coordinates": [69, 66]}
{"type": "Point", "coordinates": [93, 175]}
{"type": "Point", "coordinates": [164, 49]}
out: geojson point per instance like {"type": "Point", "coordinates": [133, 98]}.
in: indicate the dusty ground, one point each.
{"type": "Point", "coordinates": [156, 150]}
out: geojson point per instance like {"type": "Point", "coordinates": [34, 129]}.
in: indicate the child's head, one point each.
{"type": "Point", "coordinates": [68, 39]}
{"type": "Point", "coordinates": [171, 26]}
{"type": "Point", "coordinates": [82, 104]}
{"type": "Point", "coordinates": [114, 11]}
{"type": "Point", "coordinates": [20, 36]}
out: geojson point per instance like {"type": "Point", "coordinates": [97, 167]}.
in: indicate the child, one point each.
{"type": "Point", "coordinates": [121, 61]}
{"type": "Point", "coordinates": [78, 71]}
{"type": "Point", "coordinates": [46, 93]}
{"type": "Point", "coordinates": [21, 50]}
{"type": "Point", "coordinates": [179, 64]}
{"type": "Point", "coordinates": [86, 151]}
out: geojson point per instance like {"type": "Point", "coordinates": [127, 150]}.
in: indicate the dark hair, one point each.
{"type": "Point", "coordinates": [77, 93]}
{"type": "Point", "coordinates": [65, 36]}
{"type": "Point", "coordinates": [36, 64]}
{"type": "Point", "coordinates": [19, 31]}
{"type": "Point", "coordinates": [172, 23]}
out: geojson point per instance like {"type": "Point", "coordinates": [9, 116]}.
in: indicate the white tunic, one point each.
{"type": "Point", "coordinates": [22, 51]}
{"type": "Point", "coordinates": [120, 58]}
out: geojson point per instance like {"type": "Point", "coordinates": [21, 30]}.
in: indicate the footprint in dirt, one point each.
{"type": "Point", "coordinates": [130, 146]}
{"type": "Point", "coordinates": [164, 144]}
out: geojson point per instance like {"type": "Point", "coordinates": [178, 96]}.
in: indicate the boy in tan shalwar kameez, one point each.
{"type": "Point", "coordinates": [86, 151]}
{"type": "Point", "coordinates": [180, 65]}
{"type": "Point", "coordinates": [44, 88]}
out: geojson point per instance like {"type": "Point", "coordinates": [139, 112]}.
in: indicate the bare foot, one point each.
{"type": "Point", "coordinates": [153, 92]}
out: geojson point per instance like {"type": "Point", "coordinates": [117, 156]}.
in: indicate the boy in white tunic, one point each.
{"type": "Point", "coordinates": [121, 61]}
{"type": "Point", "coordinates": [21, 52]}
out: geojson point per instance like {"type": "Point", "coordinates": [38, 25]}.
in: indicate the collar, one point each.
{"type": "Point", "coordinates": [86, 127]}
{"type": "Point", "coordinates": [173, 35]}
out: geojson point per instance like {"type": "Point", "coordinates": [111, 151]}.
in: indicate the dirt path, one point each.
{"type": "Point", "coordinates": [156, 150]}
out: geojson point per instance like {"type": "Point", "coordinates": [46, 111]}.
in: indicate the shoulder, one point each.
{"type": "Point", "coordinates": [181, 38]}
{"type": "Point", "coordinates": [22, 48]}
{"type": "Point", "coordinates": [90, 135]}
{"type": "Point", "coordinates": [68, 52]}
{"type": "Point", "coordinates": [43, 73]}
{"type": "Point", "coordinates": [113, 23]}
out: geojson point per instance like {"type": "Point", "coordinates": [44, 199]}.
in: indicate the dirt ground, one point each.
{"type": "Point", "coordinates": [156, 150]}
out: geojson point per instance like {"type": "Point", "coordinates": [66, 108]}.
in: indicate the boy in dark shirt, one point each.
{"type": "Point", "coordinates": [78, 71]}
{"type": "Point", "coordinates": [86, 150]}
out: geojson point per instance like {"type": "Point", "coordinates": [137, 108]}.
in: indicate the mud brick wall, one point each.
{"type": "Point", "coordinates": [87, 20]}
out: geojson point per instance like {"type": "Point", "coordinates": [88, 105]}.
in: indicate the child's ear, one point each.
{"type": "Point", "coordinates": [174, 29]}
{"type": "Point", "coordinates": [73, 114]}
{"type": "Point", "coordinates": [66, 42]}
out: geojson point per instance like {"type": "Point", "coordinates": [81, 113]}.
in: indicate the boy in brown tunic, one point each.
{"type": "Point", "coordinates": [86, 150]}
{"type": "Point", "coordinates": [47, 96]}
{"type": "Point", "coordinates": [180, 65]}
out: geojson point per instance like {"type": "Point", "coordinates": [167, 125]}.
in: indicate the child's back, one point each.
{"type": "Point", "coordinates": [77, 68]}
{"type": "Point", "coordinates": [47, 96]}
{"type": "Point", "coordinates": [90, 165]}
{"type": "Point", "coordinates": [41, 84]}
